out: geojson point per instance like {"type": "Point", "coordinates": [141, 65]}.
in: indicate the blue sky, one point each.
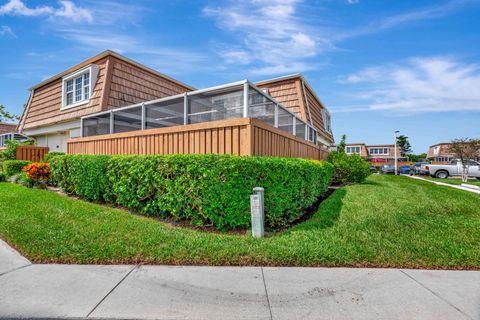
{"type": "Point", "coordinates": [379, 66]}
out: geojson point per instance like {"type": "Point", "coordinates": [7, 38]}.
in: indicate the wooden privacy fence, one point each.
{"type": "Point", "coordinates": [31, 153]}
{"type": "Point", "coordinates": [245, 136]}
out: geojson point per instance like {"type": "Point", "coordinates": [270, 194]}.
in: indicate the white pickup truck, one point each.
{"type": "Point", "coordinates": [455, 168]}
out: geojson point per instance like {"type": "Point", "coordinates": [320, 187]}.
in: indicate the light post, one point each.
{"type": "Point", "coordinates": [396, 161]}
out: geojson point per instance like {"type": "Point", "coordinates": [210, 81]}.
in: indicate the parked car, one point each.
{"type": "Point", "coordinates": [404, 169]}
{"type": "Point", "coordinates": [387, 169]}
{"type": "Point", "coordinates": [373, 169]}
{"type": "Point", "coordinates": [455, 168]}
{"type": "Point", "coordinates": [417, 168]}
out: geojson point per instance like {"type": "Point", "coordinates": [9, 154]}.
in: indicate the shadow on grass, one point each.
{"type": "Point", "coordinates": [327, 214]}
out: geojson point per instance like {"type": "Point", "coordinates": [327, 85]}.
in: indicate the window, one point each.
{"type": "Point", "coordinates": [378, 151]}
{"type": "Point", "coordinates": [352, 150]}
{"type": "Point", "coordinates": [77, 87]}
{"type": "Point", "coordinates": [444, 159]}
{"type": "Point", "coordinates": [326, 120]}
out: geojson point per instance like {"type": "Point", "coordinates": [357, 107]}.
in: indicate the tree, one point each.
{"type": "Point", "coordinates": [341, 145]}
{"type": "Point", "coordinates": [404, 145]}
{"type": "Point", "coordinates": [466, 150]}
{"type": "Point", "coordinates": [5, 115]}
{"type": "Point", "coordinates": [417, 157]}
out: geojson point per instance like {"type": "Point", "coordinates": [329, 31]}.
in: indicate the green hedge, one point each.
{"type": "Point", "coordinates": [348, 169]}
{"type": "Point", "coordinates": [209, 190]}
{"type": "Point", "coordinates": [11, 167]}
{"type": "Point", "coordinates": [50, 155]}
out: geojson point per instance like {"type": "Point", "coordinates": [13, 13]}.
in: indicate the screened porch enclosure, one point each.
{"type": "Point", "coordinates": [232, 101]}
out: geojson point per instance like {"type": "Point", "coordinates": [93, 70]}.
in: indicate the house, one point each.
{"type": "Point", "coordinates": [440, 153]}
{"type": "Point", "coordinates": [7, 127]}
{"type": "Point", "coordinates": [8, 131]}
{"type": "Point", "coordinates": [377, 154]}
{"type": "Point", "coordinates": [110, 97]}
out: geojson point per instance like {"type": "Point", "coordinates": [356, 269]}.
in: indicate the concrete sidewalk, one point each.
{"type": "Point", "coordinates": [169, 292]}
{"type": "Point", "coordinates": [456, 186]}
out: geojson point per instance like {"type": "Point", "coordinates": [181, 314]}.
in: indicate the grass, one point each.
{"type": "Point", "coordinates": [386, 222]}
{"type": "Point", "coordinates": [456, 181]}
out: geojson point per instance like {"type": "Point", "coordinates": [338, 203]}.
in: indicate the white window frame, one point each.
{"type": "Point", "coordinates": [370, 151]}
{"type": "Point", "coordinates": [93, 71]}
{"type": "Point", "coordinates": [359, 149]}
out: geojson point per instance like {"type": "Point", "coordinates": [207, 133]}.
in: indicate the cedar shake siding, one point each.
{"type": "Point", "coordinates": [119, 83]}
{"type": "Point", "coordinates": [440, 153]}
{"type": "Point", "coordinates": [294, 93]}
{"type": "Point", "coordinates": [7, 127]}
{"type": "Point", "coordinates": [46, 102]}
{"type": "Point", "coordinates": [130, 85]}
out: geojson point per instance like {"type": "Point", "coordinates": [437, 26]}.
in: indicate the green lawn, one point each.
{"type": "Point", "coordinates": [454, 180]}
{"type": "Point", "coordinates": [387, 222]}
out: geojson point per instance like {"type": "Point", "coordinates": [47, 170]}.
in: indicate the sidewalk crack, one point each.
{"type": "Point", "coordinates": [266, 294]}
{"type": "Point", "coordinates": [435, 294]}
{"type": "Point", "coordinates": [15, 269]}
{"type": "Point", "coordinates": [109, 292]}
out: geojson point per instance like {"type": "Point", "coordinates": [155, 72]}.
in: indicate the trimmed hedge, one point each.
{"type": "Point", "coordinates": [348, 169]}
{"type": "Point", "coordinates": [208, 190]}
{"type": "Point", "coordinates": [3, 177]}
{"type": "Point", "coordinates": [11, 167]}
{"type": "Point", "coordinates": [50, 155]}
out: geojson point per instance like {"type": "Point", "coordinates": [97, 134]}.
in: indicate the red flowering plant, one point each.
{"type": "Point", "coordinates": [38, 172]}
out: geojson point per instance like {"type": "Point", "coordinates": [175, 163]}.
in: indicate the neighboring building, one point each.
{"type": "Point", "coordinates": [7, 127]}
{"type": "Point", "coordinates": [440, 153]}
{"type": "Point", "coordinates": [104, 95]}
{"type": "Point", "coordinates": [8, 131]}
{"type": "Point", "coordinates": [376, 154]}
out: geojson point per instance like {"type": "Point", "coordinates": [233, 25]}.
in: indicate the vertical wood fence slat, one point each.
{"type": "Point", "coordinates": [244, 136]}
{"type": "Point", "coordinates": [31, 153]}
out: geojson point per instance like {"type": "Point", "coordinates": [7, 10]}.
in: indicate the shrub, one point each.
{"type": "Point", "coordinates": [11, 149]}
{"type": "Point", "coordinates": [3, 177]}
{"type": "Point", "coordinates": [22, 179]}
{"type": "Point", "coordinates": [38, 172]}
{"type": "Point", "coordinates": [348, 169]}
{"type": "Point", "coordinates": [50, 155]}
{"type": "Point", "coordinates": [11, 167]}
{"type": "Point", "coordinates": [209, 190]}
{"type": "Point", "coordinates": [82, 175]}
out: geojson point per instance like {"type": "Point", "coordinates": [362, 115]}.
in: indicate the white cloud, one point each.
{"type": "Point", "coordinates": [67, 10]}
{"type": "Point", "coordinates": [18, 8]}
{"type": "Point", "coordinates": [434, 84]}
{"type": "Point", "coordinates": [278, 36]}
{"type": "Point", "coordinates": [70, 11]}
{"type": "Point", "coordinates": [369, 74]}
{"type": "Point", "coordinates": [270, 33]}
{"type": "Point", "coordinates": [7, 31]}
{"type": "Point", "coordinates": [236, 57]}
{"type": "Point", "coordinates": [418, 15]}
{"type": "Point", "coordinates": [170, 60]}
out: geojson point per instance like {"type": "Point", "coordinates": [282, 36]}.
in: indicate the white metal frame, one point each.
{"type": "Point", "coordinates": [243, 85]}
